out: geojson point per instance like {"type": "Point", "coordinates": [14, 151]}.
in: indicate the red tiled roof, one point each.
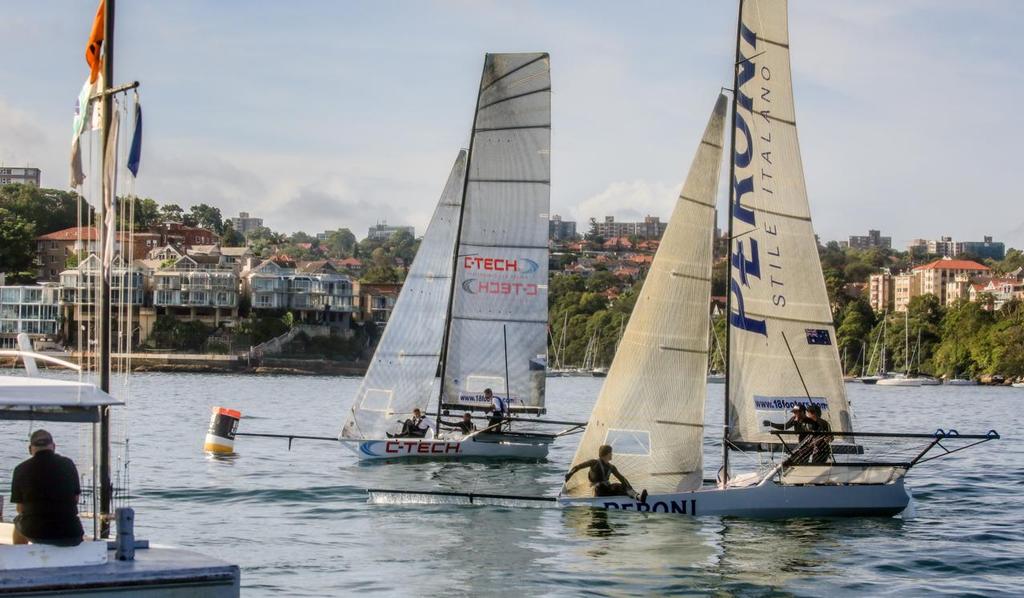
{"type": "Point", "coordinates": [953, 265]}
{"type": "Point", "coordinates": [88, 233]}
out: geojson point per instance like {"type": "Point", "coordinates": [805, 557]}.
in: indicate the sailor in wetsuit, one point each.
{"type": "Point", "coordinates": [799, 422]}
{"type": "Point", "coordinates": [465, 425]}
{"type": "Point", "coordinates": [414, 427]}
{"type": "Point", "coordinates": [821, 449]}
{"type": "Point", "coordinates": [601, 470]}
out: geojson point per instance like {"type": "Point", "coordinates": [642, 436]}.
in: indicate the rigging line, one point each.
{"type": "Point", "coordinates": [796, 365]}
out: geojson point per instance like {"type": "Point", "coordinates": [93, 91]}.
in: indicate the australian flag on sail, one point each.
{"type": "Point", "coordinates": [816, 336]}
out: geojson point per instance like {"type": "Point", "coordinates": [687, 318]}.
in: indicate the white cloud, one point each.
{"type": "Point", "coordinates": [629, 201]}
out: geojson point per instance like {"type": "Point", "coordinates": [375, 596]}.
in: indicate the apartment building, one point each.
{"type": "Point", "coordinates": [881, 291]}
{"type": "Point", "coordinates": [315, 292]}
{"type": "Point", "coordinates": [935, 275]}
{"type": "Point", "coordinates": [132, 311]}
{"type": "Point", "coordinates": [651, 228]}
{"type": "Point", "coordinates": [382, 232]}
{"type": "Point", "coordinates": [19, 174]}
{"type": "Point", "coordinates": [874, 238]}
{"type": "Point", "coordinates": [33, 310]}
{"type": "Point", "coordinates": [561, 230]}
{"type": "Point", "coordinates": [53, 250]}
{"type": "Point", "coordinates": [377, 301]}
{"type": "Point", "coordinates": [197, 288]}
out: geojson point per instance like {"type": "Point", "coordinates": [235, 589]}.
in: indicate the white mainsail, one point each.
{"type": "Point", "coordinates": [651, 407]}
{"type": "Point", "coordinates": [402, 373]}
{"type": "Point", "coordinates": [499, 311]}
{"type": "Point", "coordinates": [782, 342]}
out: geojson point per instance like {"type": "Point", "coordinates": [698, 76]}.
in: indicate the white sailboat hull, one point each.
{"type": "Point", "coordinates": [447, 449]}
{"type": "Point", "coordinates": [899, 382]}
{"type": "Point", "coordinates": [766, 501]}
{"type": "Point", "coordinates": [961, 382]}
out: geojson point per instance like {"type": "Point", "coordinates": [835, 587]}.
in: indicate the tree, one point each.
{"type": "Point", "coordinates": [17, 240]}
{"type": "Point", "coordinates": [341, 243]}
{"type": "Point", "coordinates": [171, 212]}
{"type": "Point", "coordinates": [207, 217]}
{"type": "Point", "coordinates": [147, 213]}
{"type": "Point", "coordinates": [229, 237]}
{"type": "Point", "coordinates": [47, 210]}
{"type": "Point", "coordinates": [301, 237]}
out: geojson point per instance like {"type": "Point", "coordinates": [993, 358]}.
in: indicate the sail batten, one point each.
{"type": "Point", "coordinates": [497, 335]}
{"type": "Point", "coordinates": [401, 376]}
{"type": "Point", "coordinates": [781, 333]}
{"type": "Point", "coordinates": [652, 403]}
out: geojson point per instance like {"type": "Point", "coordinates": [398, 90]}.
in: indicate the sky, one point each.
{"type": "Point", "coordinates": [320, 115]}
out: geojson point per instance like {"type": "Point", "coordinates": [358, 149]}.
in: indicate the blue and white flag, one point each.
{"type": "Point", "coordinates": [135, 151]}
{"type": "Point", "coordinates": [818, 336]}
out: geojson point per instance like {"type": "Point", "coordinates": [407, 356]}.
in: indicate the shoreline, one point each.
{"type": "Point", "coordinates": [221, 364]}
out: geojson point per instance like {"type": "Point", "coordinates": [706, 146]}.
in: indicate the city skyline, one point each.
{"type": "Point", "coordinates": [329, 127]}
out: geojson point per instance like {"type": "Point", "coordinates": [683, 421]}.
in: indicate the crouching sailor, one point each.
{"type": "Point", "coordinates": [601, 470]}
{"type": "Point", "coordinates": [414, 427]}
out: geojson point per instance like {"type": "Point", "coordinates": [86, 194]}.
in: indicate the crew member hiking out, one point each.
{"type": "Point", "coordinates": [798, 423]}
{"type": "Point", "coordinates": [601, 470]}
{"type": "Point", "coordinates": [46, 490]}
{"type": "Point", "coordinates": [465, 425]}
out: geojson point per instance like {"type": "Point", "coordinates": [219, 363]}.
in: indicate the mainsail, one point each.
{"type": "Point", "coordinates": [401, 375]}
{"type": "Point", "coordinates": [499, 310]}
{"type": "Point", "coordinates": [782, 345]}
{"type": "Point", "coordinates": [651, 407]}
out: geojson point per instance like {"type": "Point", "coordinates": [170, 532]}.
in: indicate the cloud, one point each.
{"type": "Point", "coordinates": [23, 139]}
{"type": "Point", "coordinates": [629, 201]}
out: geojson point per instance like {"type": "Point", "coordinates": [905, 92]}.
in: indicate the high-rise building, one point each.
{"type": "Point", "coordinates": [874, 238]}
{"type": "Point", "coordinates": [25, 175]}
{"type": "Point", "coordinates": [880, 291]}
{"type": "Point", "coordinates": [244, 223]}
{"type": "Point", "coordinates": [986, 248]}
{"type": "Point", "coordinates": [561, 230]}
{"type": "Point", "coordinates": [651, 228]}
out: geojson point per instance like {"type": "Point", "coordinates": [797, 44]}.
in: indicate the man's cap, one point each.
{"type": "Point", "coordinates": [798, 407]}
{"type": "Point", "coordinates": [40, 438]}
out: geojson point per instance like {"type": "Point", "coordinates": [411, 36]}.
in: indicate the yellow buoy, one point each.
{"type": "Point", "coordinates": [220, 438]}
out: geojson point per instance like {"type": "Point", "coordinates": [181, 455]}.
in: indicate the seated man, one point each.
{"type": "Point", "coordinates": [414, 427]}
{"type": "Point", "coordinates": [601, 470]}
{"type": "Point", "coordinates": [499, 411]}
{"type": "Point", "coordinates": [45, 487]}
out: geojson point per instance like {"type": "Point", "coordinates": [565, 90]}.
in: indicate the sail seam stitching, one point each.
{"type": "Point", "coordinates": [518, 68]}
{"type": "Point", "coordinates": [773, 42]}
{"type": "Point", "coordinates": [510, 320]}
{"type": "Point", "coordinates": [697, 201]}
{"type": "Point", "coordinates": [714, 145]}
{"type": "Point", "coordinates": [781, 214]}
{"type": "Point", "coordinates": [777, 119]}
{"type": "Point", "coordinates": [487, 129]}
{"type": "Point", "coordinates": [798, 320]}
{"type": "Point", "coordinates": [528, 181]}
{"type": "Point", "coordinates": [500, 245]}
{"type": "Point", "coordinates": [514, 97]}
{"type": "Point", "coordinates": [690, 276]}
{"type": "Point", "coordinates": [683, 349]}
{"type": "Point", "coordinates": [661, 421]}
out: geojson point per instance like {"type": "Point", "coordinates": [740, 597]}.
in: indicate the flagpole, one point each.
{"type": "Point", "coordinates": [103, 328]}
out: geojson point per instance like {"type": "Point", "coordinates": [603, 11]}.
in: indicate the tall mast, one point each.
{"type": "Point", "coordinates": [103, 327]}
{"type": "Point", "coordinates": [728, 278]}
{"type": "Point", "coordinates": [455, 252]}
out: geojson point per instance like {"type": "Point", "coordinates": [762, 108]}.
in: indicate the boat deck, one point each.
{"type": "Point", "coordinates": [155, 571]}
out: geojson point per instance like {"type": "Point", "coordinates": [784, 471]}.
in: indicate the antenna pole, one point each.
{"type": "Point", "coordinates": [455, 252]}
{"type": "Point", "coordinates": [103, 306]}
{"type": "Point", "coordinates": [729, 234]}
{"type": "Point", "coordinates": [508, 395]}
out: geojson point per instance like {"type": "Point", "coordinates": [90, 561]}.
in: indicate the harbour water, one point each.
{"type": "Point", "coordinates": [298, 524]}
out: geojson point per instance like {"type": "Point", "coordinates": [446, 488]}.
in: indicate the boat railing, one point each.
{"type": "Point", "coordinates": [25, 355]}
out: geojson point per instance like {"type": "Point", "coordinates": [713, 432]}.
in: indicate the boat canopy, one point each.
{"type": "Point", "coordinates": [782, 343]}
{"type": "Point", "coordinates": [44, 399]}
{"type": "Point", "coordinates": [651, 406]}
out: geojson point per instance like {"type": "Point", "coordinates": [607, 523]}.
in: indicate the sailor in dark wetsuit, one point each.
{"type": "Point", "coordinates": [465, 425]}
{"type": "Point", "coordinates": [799, 422]}
{"type": "Point", "coordinates": [821, 449]}
{"type": "Point", "coordinates": [601, 470]}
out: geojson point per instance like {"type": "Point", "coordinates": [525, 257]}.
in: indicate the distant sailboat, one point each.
{"type": "Point", "coordinates": [475, 300]}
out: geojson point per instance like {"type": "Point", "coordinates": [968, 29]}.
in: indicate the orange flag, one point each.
{"type": "Point", "coordinates": [92, 49]}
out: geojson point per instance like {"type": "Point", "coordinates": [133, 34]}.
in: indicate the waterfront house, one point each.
{"type": "Point", "coordinates": [315, 292]}
{"type": "Point", "coordinates": [131, 309]}
{"type": "Point", "coordinates": [33, 310]}
{"type": "Point", "coordinates": [197, 287]}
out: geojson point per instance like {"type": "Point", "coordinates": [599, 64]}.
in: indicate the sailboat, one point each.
{"type": "Point", "coordinates": [780, 350]}
{"type": "Point", "coordinates": [474, 305]}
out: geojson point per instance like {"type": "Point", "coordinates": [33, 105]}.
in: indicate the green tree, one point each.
{"type": "Point", "coordinates": [147, 213]}
{"type": "Point", "coordinates": [341, 243]}
{"type": "Point", "coordinates": [17, 240]}
{"type": "Point", "coordinates": [171, 212]}
{"type": "Point", "coordinates": [207, 216]}
{"type": "Point", "coordinates": [229, 237]}
{"type": "Point", "coordinates": [47, 210]}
